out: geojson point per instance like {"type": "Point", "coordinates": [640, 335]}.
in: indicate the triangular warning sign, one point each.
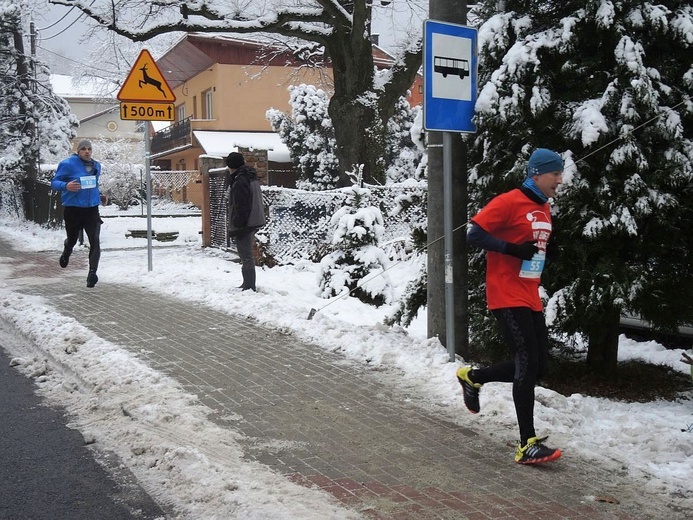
{"type": "Point", "coordinates": [145, 82]}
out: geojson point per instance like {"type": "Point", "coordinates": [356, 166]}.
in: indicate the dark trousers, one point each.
{"type": "Point", "coordinates": [89, 220]}
{"type": "Point", "coordinates": [244, 246]}
{"type": "Point", "coordinates": [527, 337]}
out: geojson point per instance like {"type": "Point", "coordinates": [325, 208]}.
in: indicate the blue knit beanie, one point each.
{"type": "Point", "coordinates": [543, 161]}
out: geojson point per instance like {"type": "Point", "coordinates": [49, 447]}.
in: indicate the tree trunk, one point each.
{"type": "Point", "coordinates": [358, 140]}
{"type": "Point", "coordinates": [30, 160]}
{"type": "Point", "coordinates": [602, 350]}
{"type": "Point", "coordinates": [358, 129]}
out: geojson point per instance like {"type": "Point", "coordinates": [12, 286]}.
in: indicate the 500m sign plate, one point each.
{"type": "Point", "coordinates": [147, 111]}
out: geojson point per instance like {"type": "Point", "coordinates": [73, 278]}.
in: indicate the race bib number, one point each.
{"type": "Point", "coordinates": [88, 181]}
{"type": "Point", "coordinates": [533, 268]}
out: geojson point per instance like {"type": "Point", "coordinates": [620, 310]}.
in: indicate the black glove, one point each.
{"type": "Point", "coordinates": [523, 251]}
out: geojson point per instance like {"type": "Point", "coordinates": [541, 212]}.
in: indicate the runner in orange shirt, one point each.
{"type": "Point", "coordinates": [514, 229]}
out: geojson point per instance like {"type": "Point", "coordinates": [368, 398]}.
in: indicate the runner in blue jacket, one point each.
{"type": "Point", "coordinates": [77, 180]}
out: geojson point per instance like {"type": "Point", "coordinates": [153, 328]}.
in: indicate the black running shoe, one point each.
{"type": "Point", "coordinates": [470, 390]}
{"type": "Point", "coordinates": [535, 452]}
{"type": "Point", "coordinates": [92, 279]}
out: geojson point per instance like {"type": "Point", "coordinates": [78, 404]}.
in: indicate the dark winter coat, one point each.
{"type": "Point", "coordinates": [246, 212]}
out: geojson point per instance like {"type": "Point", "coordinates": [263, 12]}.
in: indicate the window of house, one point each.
{"type": "Point", "coordinates": [207, 104]}
{"type": "Point", "coordinates": [181, 112]}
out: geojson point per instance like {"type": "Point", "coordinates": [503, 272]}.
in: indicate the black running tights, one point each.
{"type": "Point", "coordinates": [89, 220]}
{"type": "Point", "coordinates": [527, 338]}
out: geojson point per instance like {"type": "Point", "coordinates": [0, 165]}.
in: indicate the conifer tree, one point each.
{"type": "Point", "coordinates": [357, 264]}
{"type": "Point", "coordinates": [308, 132]}
{"type": "Point", "coordinates": [415, 295]}
{"type": "Point", "coordinates": [309, 135]}
{"type": "Point", "coordinates": [402, 155]}
{"type": "Point", "coordinates": [608, 85]}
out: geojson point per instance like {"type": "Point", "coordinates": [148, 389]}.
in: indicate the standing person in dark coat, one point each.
{"type": "Point", "coordinates": [514, 229]}
{"type": "Point", "coordinates": [246, 213]}
{"type": "Point", "coordinates": [77, 180]}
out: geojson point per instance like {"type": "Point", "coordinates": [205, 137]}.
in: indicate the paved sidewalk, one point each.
{"type": "Point", "coordinates": [324, 421]}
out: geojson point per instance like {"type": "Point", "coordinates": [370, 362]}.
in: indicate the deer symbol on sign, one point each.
{"type": "Point", "coordinates": [147, 80]}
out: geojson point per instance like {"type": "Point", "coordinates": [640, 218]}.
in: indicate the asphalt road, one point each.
{"type": "Point", "coordinates": [47, 471]}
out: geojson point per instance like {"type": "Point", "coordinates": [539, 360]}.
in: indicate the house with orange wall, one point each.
{"type": "Point", "coordinates": [224, 85]}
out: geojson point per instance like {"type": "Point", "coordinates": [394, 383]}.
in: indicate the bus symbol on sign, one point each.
{"type": "Point", "coordinates": [452, 66]}
{"type": "Point", "coordinates": [450, 63]}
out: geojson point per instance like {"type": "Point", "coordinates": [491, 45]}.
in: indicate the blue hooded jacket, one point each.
{"type": "Point", "coordinates": [72, 169]}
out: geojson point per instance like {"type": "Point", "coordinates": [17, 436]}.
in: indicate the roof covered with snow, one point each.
{"type": "Point", "coordinates": [223, 143]}
{"type": "Point", "coordinates": [88, 88]}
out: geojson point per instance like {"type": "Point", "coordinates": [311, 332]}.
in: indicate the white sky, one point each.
{"type": "Point", "coordinates": [60, 30]}
{"type": "Point", "coordinates": [206, 476]}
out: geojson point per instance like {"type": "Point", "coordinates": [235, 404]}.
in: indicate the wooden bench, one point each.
{"type": "Point", "coordinates": [168, 236]}
{"type": "Point", "coordinates": [138, 233]}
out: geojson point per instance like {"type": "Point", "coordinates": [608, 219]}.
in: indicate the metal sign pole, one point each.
{"type": "Point", "coordinates": [447, 229]}
{"type": "Point", "coordinates": [141, 184]}
{"type": "Point", "coordinates": [146, 97]}
{"type": "Point", "coordinates": [148, 179]}
{"type": "Point", "coordinates": [450, 78]}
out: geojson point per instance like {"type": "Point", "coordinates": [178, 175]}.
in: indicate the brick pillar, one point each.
{"type": "Point", "coordinates": [257, 159]}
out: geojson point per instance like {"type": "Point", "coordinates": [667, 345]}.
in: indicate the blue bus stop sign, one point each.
{"type": "Point", "coordinates": [450, 76]}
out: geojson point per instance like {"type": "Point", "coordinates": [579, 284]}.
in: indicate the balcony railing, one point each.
{"type": "Point", "coordinates": [174, 136]}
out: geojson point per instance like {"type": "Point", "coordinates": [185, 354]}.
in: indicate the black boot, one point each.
{"type": "Point", "coordinates": [65, 257]}
{"type": "Point", "coordinates": [248, 280]}
{"type": "Point", "coordinates": [92, 278]}
{"type": "Point", "coordinates": [245, 280]}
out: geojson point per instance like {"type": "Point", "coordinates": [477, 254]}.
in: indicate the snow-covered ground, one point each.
{"type": "Point", "coordinates": [653, 441]}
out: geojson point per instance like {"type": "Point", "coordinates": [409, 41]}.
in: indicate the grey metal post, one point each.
{"type": "Point", "coordinates": [141, 179]}
{"type": "Point", "coordinates": [447, 153]}
{"type": "Point", "coordinates": [148, 178]}
{"type": "Point", "coordinates": [449, 250]}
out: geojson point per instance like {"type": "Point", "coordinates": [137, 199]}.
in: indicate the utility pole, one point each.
{"type": "Point", "coordinates": [34, 90]}
{"type": "Point", "coordinates": [32, 38]}
{"type": "Point", "coordinates": [441, 268]}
